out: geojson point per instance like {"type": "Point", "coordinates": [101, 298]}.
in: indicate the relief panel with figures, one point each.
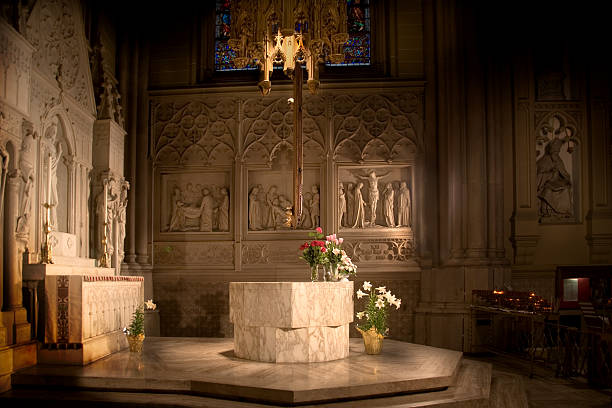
{"type": "Point", "coordinates": [375, 197]}
{"type": "Point", "coordinates": [195, 202]}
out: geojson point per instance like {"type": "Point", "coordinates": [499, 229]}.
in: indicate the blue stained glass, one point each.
{"type": "Point", "coordinates": [224, 54]}
{"type": "Point", "coordinates": [357, 48]}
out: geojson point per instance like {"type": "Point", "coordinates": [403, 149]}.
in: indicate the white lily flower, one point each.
{"type": "Point", "coordinates": [397, 303]}
{"type": "Point", "coordinates": [360, 294]}
{"type": "Point", "coordinates": [367, 285]}
{"type": "Point", "coordinates": [150, 305]}
{"type": "Point", "coordinates": [380, 303]}
{"type": "Point", "coordinates": [336, 251]}
{"type": "Point", "coordinates": [381, 289]}
{"type": "Point", "coordinates": [360, 315]}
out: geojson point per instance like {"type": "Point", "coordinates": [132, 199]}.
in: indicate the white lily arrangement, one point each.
{"type": "Point", "coordinates": [379, 301]}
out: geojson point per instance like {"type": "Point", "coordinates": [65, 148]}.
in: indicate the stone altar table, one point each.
{"type": "Point", "coordinates": [291, 322]}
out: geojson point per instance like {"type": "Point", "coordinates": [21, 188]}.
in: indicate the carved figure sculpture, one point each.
{"type": "Point", "coordinates": [223, 211]}
{"type": "Point", "coordinates": [55, 152]}
{"type": "Point", "coordinates": [403, 216]}
{"type": "Point", "coordinates": [350, 204]}
{"type": "Point", "coordinates": [388, 197]}
{"type": "Point", "coordinates": [23, 222]}
{"type": "Point", "coordinates": [254, 210]}
{"type": "Point", "coordinates": [271, 213]}
{"type": "Point", "coordinates": [359, 207]}
{"type": "Point", "coordinates": [121, 220]}
{"type": "Point", "coordinates": [26, 165]}
{"type": "Point", "coordinates": [206, 211]}
{"type": "Point", "coordinates": [177, 222]}
{"type": "Point", "coordinates": [4, 161]}
{"type": "Point", "coordinates": [341, 204]}
{"type": "Point", "coordinates": [373, 193]}
{"type": "Point", "coordinates": [314, 206]}
{"type": "Point", "coordinates": [554, 182]}
{"type": "Point", "coordinates": [305, 221]}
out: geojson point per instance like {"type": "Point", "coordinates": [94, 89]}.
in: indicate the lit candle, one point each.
{"type": "Point", "coordinates": [49, 180]}
{"type": "Point", "coordinates": [105, 201]}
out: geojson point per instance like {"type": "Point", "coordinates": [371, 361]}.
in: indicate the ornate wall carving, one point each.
{"type": "Point", "coordinates": [377, 127]}
{"type": "Point", "coordinates": [558, 164]}
{"type": "Point", "coordinates": [196, 132]}
{"type": "Point", "coordinates": [194, 253]}
{"type": "Point", "coordinates": [55, 29]}
{"type": "Point", "coordinates": [243, 144]}
{"type": "Point", "coordinates": [268, 127]}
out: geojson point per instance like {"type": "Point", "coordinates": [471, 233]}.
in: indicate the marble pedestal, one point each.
{"type": "Point", "coordinates": [291, 322]}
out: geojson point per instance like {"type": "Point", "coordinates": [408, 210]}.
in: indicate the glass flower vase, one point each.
{"type": "Point", "coordinates": [330, 273]}
{"type": "Point", "coordinates": [314, 273]}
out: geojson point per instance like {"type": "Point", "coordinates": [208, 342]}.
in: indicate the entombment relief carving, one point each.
{"type": "Point", "coordinates": [557, 169]}
{"type": "Point", "coordinates": [199, 208]}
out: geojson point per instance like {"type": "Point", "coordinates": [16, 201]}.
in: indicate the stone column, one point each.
{"type": "Point", "coordinates": [12, 273]}
{"type": "Point", "coordinates": [12, 262]}
{"type": "Point", "coordinates": [143, 165]}
{"type": "Point", "coordinates": [129, 87]}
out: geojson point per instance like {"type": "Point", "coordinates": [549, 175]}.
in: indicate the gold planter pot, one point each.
{"type": "Point", "coordinates": [135, 343]}
{"type": "Point", "coordinates": [372, 340]}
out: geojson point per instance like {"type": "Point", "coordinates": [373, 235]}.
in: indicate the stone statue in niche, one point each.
{"type": "Point", "coordinates": [55, 154]}
{"type": "Point", "coordinates": [120, 213]}
{"type": "Point", "coordinates": [403, 215]}
{"type": "Point", "coordinates": [341, 204]}
{"type": "Point", "coordinates": [111, 211]}
{"type": "Point", "coordinates": [4, 161]}
{"type": "Point", "coordinates": [199, 208]}
{"type": "Point", "coordinates": [372, 193]}
{"type": "Point", "coordinates": [223, 211]}
{"type": "Point", "coordinates": [388, 198]}
{"type": "Point", "coordinates": [359, 206]}
{"type": "Point", "coordinates": [26, 166]}
{"type": "Point", "coordinates": [554, 181]}
{"type": "Point", "coordinates": [305, 222]}
{"type": "Point", "coordinates": [206, 211]}
{"type": "Point", "coordinates": [314, 208]}
{"type": "Point", "coordinates": [254, 210]}
{"type": "Point", "coordinates": [350, 204]}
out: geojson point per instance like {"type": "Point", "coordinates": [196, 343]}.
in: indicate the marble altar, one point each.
{"type": "Point", "coordinates": [291, 322]}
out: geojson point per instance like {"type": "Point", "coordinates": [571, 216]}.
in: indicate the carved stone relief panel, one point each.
{"type": "Point", "coordinates": [270, 192]}
{"type": "Point", "coordinates": [275, 252]}
{"type": "Point", "coordinates": [54, 28]}
{"type": "Point", "coordinates": [197, 202]}
{"type": "Point", "coordinates": [194, 253]}
{"type": "Point", "coordinates": [195, 132]}
{"type": "Point", "coordinates": [381, 250]}
{"type": "Point", "coordinates": [268, 128]}
{"type": "Point", "coordinates": [558, 168]}
{"type": "Point", "coordinates": [375, 197]}
{"type": "Point", "coordinates": [377, 127]}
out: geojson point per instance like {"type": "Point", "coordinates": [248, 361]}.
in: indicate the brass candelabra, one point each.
{"type": "Point", "coordinates": [104, 258]}
{"type": "Point", "coordinates": [45, 250]}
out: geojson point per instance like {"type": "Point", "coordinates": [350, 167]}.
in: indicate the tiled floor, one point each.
{"type": "Point", "coordinates": [545, 390]}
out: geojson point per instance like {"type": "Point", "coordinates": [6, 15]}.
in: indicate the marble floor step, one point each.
{"type": "Point", "coordinates": [472, 389]}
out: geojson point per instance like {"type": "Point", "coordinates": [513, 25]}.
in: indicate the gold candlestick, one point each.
{"type": "Point", "coordinates": [45, 250]}
{"type": "Point", "coordinates": [104, 258]}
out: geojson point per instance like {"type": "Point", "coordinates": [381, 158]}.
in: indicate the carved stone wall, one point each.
{"type": "Point", "coordinates": [223, 174]}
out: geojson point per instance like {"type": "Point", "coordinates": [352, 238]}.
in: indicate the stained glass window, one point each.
{"type": "Point", "coordinates": [357, 48]}
{"type": "Point", "coordinates": [224, 54]}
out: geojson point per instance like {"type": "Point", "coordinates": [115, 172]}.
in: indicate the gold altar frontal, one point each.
{"type": "Point", "coordinates": [205, 372]}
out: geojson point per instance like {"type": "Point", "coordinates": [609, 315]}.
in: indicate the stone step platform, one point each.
{"type": "Point", "coordinates": [204, 372]}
